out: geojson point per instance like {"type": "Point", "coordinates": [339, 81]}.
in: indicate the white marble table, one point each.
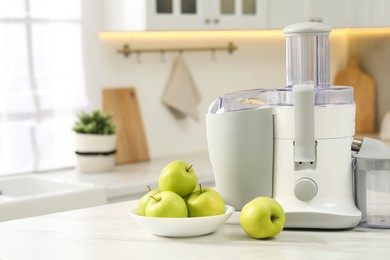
{"type": "Point", "coordinates": [108, 232]}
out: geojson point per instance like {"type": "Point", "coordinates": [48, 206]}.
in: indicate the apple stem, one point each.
{"type": "Point", "coordinates": [154, 198]}
{"type": "Point", "coordinates": [200, 188]}
{"type": "Point", "coordinates": [273, 218]}
{"type": "Point", "coordinates": [189, 168]}
{"type": "Point", "coordinates": [149, 188]}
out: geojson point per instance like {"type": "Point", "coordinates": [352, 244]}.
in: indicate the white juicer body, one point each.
{"type": "Point", "coordinates": [318, 193]}
{"type": "Point", "coordinates": [307, 158]}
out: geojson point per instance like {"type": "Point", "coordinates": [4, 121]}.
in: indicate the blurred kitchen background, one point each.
{"type": "Point", "coordinates": [56, 57]}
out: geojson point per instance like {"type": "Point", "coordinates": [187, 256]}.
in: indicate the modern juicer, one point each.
{"type": "Point", "coordinates": [292, 143]}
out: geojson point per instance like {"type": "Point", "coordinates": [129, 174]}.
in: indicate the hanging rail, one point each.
{"type": "Point", "coordinates": [127, 50]}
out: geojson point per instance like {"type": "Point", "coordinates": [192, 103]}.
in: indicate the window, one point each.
{"type": "Point", "coordinates": [42, 84]}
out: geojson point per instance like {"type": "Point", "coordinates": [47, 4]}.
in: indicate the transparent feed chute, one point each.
{"type": "Point", "coordinates": [307, 62]}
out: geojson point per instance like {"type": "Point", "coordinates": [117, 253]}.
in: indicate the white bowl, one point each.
{"type": "Point", "coordinates": [182, 227]}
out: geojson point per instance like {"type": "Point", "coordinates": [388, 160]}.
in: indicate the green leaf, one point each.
{"type": "Point", "coordinates": [95, 122]}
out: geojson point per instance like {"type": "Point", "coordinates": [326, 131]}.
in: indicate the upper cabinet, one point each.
{"type": "Point", "coordinates": [152, 15]}
{"type": "Point", "coordinates": [140, 15]}
{"type": "Point", "coordinates": [336, 13]}
{"type": "Point", "coordinates": [379, 13]}
{"type": "Point", "coordinates": [236, 14]}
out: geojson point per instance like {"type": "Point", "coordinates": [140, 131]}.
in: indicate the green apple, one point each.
{"type": "Point", "coordinates": [179, 177]}
{"type": "Point", "coordinates": [262, 217]}
{"type": "Point", "coordinates": [186, 197]}
{"type": "Point", "coordinates": [166, 204]}
{"type": "Point", "coordinates": [145, 200]}
{"type": "Point", "coordinates": [205, 202]}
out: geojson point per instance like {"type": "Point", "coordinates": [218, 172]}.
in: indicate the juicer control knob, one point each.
{"type": "Point", "coordinates": [305, 189]}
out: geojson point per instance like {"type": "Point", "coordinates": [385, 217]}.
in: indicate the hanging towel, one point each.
{"type": "Point", "coordinates": [181, 94]}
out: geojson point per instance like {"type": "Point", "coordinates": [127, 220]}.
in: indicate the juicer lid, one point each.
{"type": "Point", "coordinates": [307, 28]}
{"type": "Point", "coordinates": [257, 98]}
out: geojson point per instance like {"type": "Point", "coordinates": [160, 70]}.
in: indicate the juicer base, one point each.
{"type": "Point", "coordinates": [321, 220]}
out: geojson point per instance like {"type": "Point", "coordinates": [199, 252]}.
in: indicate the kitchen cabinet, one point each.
{"type": "Point", "coordinates": [379, 13]}
{"type": "Point", "coordinates": [140, 15]}
{"type": "Point", "coordinates": [158, 15]}
{"type": "Point", "coordinates": [236, 14]}
{"type": "Point", "coordinates": [336, 13]}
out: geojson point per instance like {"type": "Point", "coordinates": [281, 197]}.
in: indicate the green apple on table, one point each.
{"type": "Point", "coordinates": [145, 200]}
{"type": "Point", "coordinates": [179, 177]}
{"type": "Point", "coordinates": [196, 189]}
{"type": "Point", "coordinates": [205, 202]}
{"type": "Point", "coordinates": [166, 204]}
{"type": "Point", "coordinates": [262, 217]}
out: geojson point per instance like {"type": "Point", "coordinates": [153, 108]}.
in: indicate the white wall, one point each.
{"type": "Point", "coordinates": [373, 53]}
{"type": "Point", "coordinates": [259, 62]}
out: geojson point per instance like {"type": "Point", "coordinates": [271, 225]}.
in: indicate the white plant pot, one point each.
{"type": "Point", "coordinates": [95, 153]}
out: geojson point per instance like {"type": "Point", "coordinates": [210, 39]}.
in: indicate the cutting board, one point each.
{"type": "Point", "coordinates": [365, 94]}
{"type": "Point", "coordinates": [131, 142]}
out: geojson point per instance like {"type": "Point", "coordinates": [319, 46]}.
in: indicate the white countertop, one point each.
{"type": "Point", "coordinates": [108, 232]}
{"type": "Point", "coordinates": [131, 180]}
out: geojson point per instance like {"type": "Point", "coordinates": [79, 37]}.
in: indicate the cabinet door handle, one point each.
{"type": "Point", "coordinates": [207, 21]}
{"type": "Point", "coordinates": [216, 21]}
{"type": "Point", "coordinates": [318, 20]}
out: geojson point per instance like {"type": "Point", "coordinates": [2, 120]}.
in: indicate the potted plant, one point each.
{"type": "Point", "coordinates": [95, 141]}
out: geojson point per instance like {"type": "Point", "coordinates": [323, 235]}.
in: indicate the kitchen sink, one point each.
{"type": "Point", "coordinates": [32, 195]}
